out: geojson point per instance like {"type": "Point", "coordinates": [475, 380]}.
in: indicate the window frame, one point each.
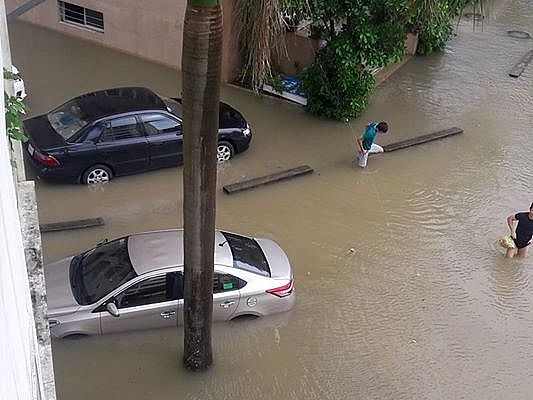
{"type": "Point", "coordinates": [65, 7]}
{"type": "Point", "coordinates": [164, 277]}
{"type": "Point", "coordinates": [159, 133]}
{"type": "Point", "coordinates": [112, 123]}
{"type": "Point", "coordinates": [220, 279]}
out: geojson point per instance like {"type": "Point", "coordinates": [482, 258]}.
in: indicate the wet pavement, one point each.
{"type": "Point", "coordinates": [425, 308]}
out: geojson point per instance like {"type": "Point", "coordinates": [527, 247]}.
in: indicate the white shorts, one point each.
{"type": "Point", "coordinates": [362, 158]}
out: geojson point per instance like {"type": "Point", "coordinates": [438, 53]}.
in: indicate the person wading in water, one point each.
{"type": "Point", "coordinates": [366, 141]}
{"type": "Point", "coordinates": [522, 234]}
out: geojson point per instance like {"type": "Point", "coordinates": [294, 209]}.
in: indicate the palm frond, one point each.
{"type": "Point", "coordinates": [261, 37]}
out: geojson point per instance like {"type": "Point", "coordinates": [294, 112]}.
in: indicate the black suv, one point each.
{"type": "Point", "coordinates": [97, 136]}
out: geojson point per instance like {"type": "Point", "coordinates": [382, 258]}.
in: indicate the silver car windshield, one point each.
{"type": "Point", "coordinates": [67, 119]}
{"type": "Point", "coordinates": [247, 254]}
{"type": "Point", "coordinates": [100, 270]}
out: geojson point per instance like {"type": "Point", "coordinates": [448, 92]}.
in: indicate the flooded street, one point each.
{"type": "Point", "coordinates": [426, 308]}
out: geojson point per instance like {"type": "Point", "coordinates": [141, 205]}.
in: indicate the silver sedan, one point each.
{"type": "Point", "coordinates": [136, 282]}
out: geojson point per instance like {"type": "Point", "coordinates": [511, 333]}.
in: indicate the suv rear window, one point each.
{"type": "Point", "coordinates": [247, 254]}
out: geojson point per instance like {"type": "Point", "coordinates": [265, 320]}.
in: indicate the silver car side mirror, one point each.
{"type": "Point", "coordinates": [112, 309]}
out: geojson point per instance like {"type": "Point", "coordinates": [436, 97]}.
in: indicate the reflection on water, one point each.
{"type": "Point", "coordinates": [424, 307]}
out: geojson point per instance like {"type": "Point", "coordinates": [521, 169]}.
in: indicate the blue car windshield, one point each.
{"type": "Point", "coordinates": [101, 270]}
{"type": "Point", "coordinates": [67, 119]}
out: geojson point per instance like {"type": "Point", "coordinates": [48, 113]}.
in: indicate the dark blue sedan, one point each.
{"type": "Point", "coordinates": [97, 136]}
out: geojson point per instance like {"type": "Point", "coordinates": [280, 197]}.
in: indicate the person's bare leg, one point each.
{"type": "Point", "coordinates": [510, 253]}
{"type": "Point", "coordinates": [522, 252]}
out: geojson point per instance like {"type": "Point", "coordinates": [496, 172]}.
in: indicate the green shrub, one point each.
{"type": "Point", "coordinates": [367, 34]}
{"type": "Point", "coordinates": [276, 83]}
{"type": "Point", "coordinates": [15, 109]}
{"type": "Point", "coordinates": [336, 84]}
{"type": "Point", "coordinates": [434, 27]}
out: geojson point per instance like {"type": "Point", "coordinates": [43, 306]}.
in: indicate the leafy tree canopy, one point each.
{"type": "Point", "coordinates": [359, 35]}
{"type": "Point", "coordinates": [364, 34]}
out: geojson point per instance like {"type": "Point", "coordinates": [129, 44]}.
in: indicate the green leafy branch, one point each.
{"type": "Point", "coordinates": [15, 109]}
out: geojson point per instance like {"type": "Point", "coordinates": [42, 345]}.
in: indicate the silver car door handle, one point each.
{"type": "Point", "coordinates": [167, 314]}
{"type": "Point", "coordinates": [227, 304]}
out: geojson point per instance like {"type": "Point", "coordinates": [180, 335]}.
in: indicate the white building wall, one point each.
{"type": "Point", "coordinates": [18, 343]}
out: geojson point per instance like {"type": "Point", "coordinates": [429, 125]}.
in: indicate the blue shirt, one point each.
{"type": "Point", "coordinates": [369, 135]}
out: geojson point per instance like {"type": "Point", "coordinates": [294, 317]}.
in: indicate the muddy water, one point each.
{"type": "Point", "coordinates": [427, 308]}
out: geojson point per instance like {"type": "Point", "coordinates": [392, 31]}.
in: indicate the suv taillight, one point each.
{"type": "Point", "coordinates": [46, 159]}
{"type": "Point", "coordinates": [282, 291]}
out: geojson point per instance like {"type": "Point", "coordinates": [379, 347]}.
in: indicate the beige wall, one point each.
{"type": "Point", "coordinates": [300, 53]}
{"type": "Point", "coordinates": [151, 29]}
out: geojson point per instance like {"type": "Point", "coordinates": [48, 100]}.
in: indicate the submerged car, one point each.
{"type": "Point", "coordinates": [136, 282]}
{"type": "Point", "coordinates": [97, 136]}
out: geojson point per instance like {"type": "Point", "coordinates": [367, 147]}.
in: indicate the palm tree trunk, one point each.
{"type": "Point", "coordinates": [201, 66]}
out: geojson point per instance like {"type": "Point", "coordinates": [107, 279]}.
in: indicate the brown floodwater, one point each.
{"type": "Point", "coordinates": [426, 308]}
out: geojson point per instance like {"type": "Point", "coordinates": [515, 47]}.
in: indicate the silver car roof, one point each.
{"type": "Point", "coordinates": [150, 251]}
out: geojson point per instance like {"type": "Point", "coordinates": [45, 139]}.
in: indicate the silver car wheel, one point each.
{"type": "Point", "coordinates": [224, 152]}
{"type": "Point", "coordinates": [97, 174]}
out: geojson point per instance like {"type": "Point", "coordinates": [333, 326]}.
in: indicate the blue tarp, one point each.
{"type": "Point", "coordinates": [292, 85]}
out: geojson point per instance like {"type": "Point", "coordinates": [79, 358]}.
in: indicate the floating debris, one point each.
{"type": "Point", "coordinates": [475, 16]}
{"type": "Point", "coordinates": [519, 34]}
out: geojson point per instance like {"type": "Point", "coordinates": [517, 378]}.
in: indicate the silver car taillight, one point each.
{"type": "Point", "coordinates": [282, 291]}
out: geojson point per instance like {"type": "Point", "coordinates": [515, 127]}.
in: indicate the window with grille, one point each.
{"type": "Point", "coordinates": [78, 15]}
